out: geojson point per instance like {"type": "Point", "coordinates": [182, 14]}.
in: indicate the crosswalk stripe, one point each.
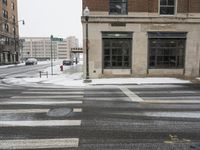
{"type": "Point", "coordinates": [23, 111]}
{"type": "Point", "coordinates": [49, 96]}
{"type": "Point", "coordinates": [77, 110]}
{"type": "Point", "coordinates": [53, 93]}
{"type": "Point", "coordinates": [131, 95]}
{"type": "Point", "coordinates": [41, 123]}
{"type": "Point", "coordinates": [16, 111]}
{"type": "Point", "coordinates": [39, 102]}
{"type": "Point", "coordinates": [56, 89]}
{"type": "Point", "coordinates": [172, 101]}
{"type": "Point", "coordinates": [39, 143]}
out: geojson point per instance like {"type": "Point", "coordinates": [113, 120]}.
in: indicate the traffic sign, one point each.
{"type": "Point", "coordinates": [57, 39]}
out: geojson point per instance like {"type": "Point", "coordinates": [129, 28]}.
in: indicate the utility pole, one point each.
{"type": "Point", "coordinates": [51, 56]}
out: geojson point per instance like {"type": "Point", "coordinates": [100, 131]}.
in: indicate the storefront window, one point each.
{"type": "Point", "coordinates": [117, 50]}
{"type": "Point", "coordinates": [166, 51]}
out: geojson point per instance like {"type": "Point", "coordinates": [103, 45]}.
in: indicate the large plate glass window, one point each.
{"type": "Point", "coordinates": [117, 50]}
{"type": "Point", "coordinates": [166, 50]}
{"type": "Point", "coordinates": [118, 7]}
{"type": "Point", "coordinates": [167, 7]}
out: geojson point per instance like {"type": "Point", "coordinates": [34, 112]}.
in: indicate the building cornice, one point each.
{"type": "Point", "coordinates": [158, 20]}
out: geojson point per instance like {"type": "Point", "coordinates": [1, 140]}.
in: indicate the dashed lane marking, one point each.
{"type": "Point", "coordinates": [41, 123]}
{"type": "Point", "coordinates": [39, 143]}
{"type": "Point", "coordinates": [131, 95]}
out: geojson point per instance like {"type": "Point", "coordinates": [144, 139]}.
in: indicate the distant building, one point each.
{"type": "Point", "coordinates": [143, 37]}
{"type": "Point", "coordinates": [40, 48]}
{"type": "Point", "coordinates": [9, 35]}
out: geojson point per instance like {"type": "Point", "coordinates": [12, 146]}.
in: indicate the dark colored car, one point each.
{"type": "Point", "coordinates": [31, 61]}
{"type": "Point", "coordinates": [67, 62]}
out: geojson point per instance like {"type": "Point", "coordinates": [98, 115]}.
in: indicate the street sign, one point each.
{"type": "Point", "coordinates": [57, 39]}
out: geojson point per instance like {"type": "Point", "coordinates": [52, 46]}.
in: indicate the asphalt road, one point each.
{"type": "Point", "coordinates": [22, 70]}
{"type": "Point", "coordinates": [137, 117]}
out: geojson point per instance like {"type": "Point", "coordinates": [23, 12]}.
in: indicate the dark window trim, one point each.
{"type": "Point", "coordinates": [126, 13]}
{"type": "Point", "coordinates": [175, 38]}
{"type": "Point", "coordinates": [168, 6]}
{"type": "Point", "coordinates": [5, 2]}
{"type": "Point", "coordinates": [112, 38]}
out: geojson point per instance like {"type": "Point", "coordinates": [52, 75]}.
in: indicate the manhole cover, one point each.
{"type": "Point", "coordinates": [59, 112]}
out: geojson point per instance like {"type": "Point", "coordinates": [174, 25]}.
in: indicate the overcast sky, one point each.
{"type": "Point", "coordinates": [61, 18]}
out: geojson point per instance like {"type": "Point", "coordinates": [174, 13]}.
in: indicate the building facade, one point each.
{"type": "Point", "coordinates": [143, 38]}
{"type": "Point", "coordinates": [40, 48]}
{"type": "Point", "coordinates": [9, 35]}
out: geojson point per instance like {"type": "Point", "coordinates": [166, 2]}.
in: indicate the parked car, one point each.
{"type": "Point", "coordinates": [31, 61]}
{"type": "Point", "coordinates": [67, 62]}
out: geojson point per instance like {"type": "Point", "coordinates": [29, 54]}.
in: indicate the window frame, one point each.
{"type": "Point", "coordinates": [12, 5]}
{"type": "Point", "coordinates": [5, 13]}
{"type": "Point", "coordinates": [115, 13]}
{"type": "Point", "coordinates": [111, 39]}
{"type": "Point", "coordinates": [176, 48]}
{"type": "Point", "coordinates": [167, 15]}
{"type": "Point", "coordinates": [5, 2]}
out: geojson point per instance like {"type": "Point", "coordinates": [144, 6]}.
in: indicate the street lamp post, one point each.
{"type": "Point", "coordinates": [51, 56]}
{"type": "Point", "coordinates": [86, 14]}
{"type": "Point", "coordinates": [15, 43]}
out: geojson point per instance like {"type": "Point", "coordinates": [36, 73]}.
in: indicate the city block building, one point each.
{"type": "Point", "coordinates": [40, 48]}
{"type": "Point", "coordinates": [142, 38]}
{"type": "Point", "coordinates": [9, 35]}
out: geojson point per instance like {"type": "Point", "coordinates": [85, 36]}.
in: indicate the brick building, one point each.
{"type": "Point", "coordinates": [143, 37]}
{"type": "Point", "coordinates": [9, 37]}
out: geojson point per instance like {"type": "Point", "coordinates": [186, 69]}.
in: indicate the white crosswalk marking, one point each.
{"type": "Point", "coordinates": [172, 101]}
{"type": "Point", "coordinates": [40, 102]}
{"type": "Point", "coordinates": [46, 98]}
{"type": "Point", "coordinates": [131, 95]}
{"type": "Point", "coordinates": [39, 143]}
{"type": "Point", "coordinates": [41, 123]}
{"type": "Point", "coordinates": [16, 111]}
{"type": "Point", "coordinates": [53, 93]}
{"type": "Point", "coordinates": [49, 96]}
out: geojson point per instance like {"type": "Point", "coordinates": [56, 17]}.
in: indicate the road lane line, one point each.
{"type": "Point", "coordinates": [41, 123]}
{"type": "Point", "coordinates": [131, 95]}
{"type": "Point", "coordinates": [39, 102]}
{"type": "Point", "coordinates": [39, 143]}
{"type": "Point", "coordinates": [49, 96]}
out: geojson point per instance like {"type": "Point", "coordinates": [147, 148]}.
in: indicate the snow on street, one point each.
{"type": "Point", "coordinates": [73, 76]}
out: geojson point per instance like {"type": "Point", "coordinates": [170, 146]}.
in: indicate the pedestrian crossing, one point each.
{"type": "Point", "coordinates": [24, 109]}
{"type": "Point", "coordinates": [92, 118]}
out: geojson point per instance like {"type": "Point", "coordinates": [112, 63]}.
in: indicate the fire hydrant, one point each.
{"type": "Point", "coordinates": [61, 67]}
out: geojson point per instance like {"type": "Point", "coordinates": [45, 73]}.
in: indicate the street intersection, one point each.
{"type": "Point", "coordinates": [144, 117]}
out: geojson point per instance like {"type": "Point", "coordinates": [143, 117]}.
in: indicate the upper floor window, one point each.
{"type": "Point", "coordinates": [167, 7]}
{"type": "Point", "coordinates": [5, 13]}
{"type": "Point", "coordinates": [12, 5]}
{"type": "Point", "coordinates": [13, 18]}
{"type": "Point", "coordinates": [4, 2]}
{"type": "Point", "coordinates": [118, 7]}
{"type": "Point", "coordinates": [5, 27]}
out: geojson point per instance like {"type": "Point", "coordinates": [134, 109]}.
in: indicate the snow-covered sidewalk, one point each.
{"type": "Point", "coordinates": [72, 76]}
{"type": "Point", "coordinates": [76, 80]}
